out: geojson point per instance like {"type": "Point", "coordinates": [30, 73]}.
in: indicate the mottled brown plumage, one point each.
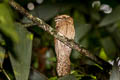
{"type": "Point", "coordinates": [64, 26]}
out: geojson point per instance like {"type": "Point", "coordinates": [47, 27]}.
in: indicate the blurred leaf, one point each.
{"type": "Point", "coordinates": [23, 50]}
{"type": "Point", "coordinates": [75, 54]}
{"type": "Point", "coordinates": [76, 74]}
{"type": "Point", "coordinates": [115, 73]}
{"type": "Point", "coordinates": [53, 59]}
{"type": "Point", "coordinates": [81, 30]}
{"type": "Point", "coordinates": [116, 36]}
{"type": "Point", "coordinates": [95, 15]}
{"type": "Point", "coordinates": [50, 59]}
{"type": "Point", "coordinates": [83, 43]}
{"type": "Point", "coordinates": [53, 78]}
{"type": "Point", "coordinates": [2, 51]}
{"type": "Point", "coordinates": [109, 47]}
{"type": "Point", "coordinates": [102, 54]}
{"type": "Point", "coordinates": [6, 22]}
{"type": "Point", "coordinates": [2, 41]}
{"type": "Point", "coordinates": [68, 77]}
{"type": "Point", "coordinates": [111, 18]}
{"type": "Point", "coordinates": [79, 17]}
{"type": "Point", "coordinates": [2, 55]}
{"type": "Point", "coordinates": [115, 33]}
{"type": "Point", "coordinates": [35, 75]}
{"type": "Point", "coordinates": [47, 11]}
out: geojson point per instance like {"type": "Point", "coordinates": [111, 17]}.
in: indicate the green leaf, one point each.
{"type": "Point", "coordinates": [95, 16]}
{"type": "Point", "coordinates": [2, 51]}
{"type": "Point", "coordinates": [43, 10]}
{"type": "Point", "coordinates": [23, 50]}
{"type": "Point", "coordinates": [68, 77]}
{"type": "Point", "coordinates": [81, 30]}
{"type": "Point", "coordinates": [79, 17]}
{"type": "Point", "coordinates": [111, 18]}
{"type": "Point", "coordinates": [2, 55]}
{"type": "Point", "coordinates": [35, 75]}
{"type": "Point", "coordinates": [53, 78]}
{"type": "Point", "coordinates": [46, 11]}
{"type": "Point", "coordinates": [103, 55]}
{"type": "Point", "coordinates": [109, 47]}
{"type": "Point", "coordinates": [115, 33]}
{"type": "Point", "coordinates": [6, 22]}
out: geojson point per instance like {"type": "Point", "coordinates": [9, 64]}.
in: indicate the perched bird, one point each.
{"type": "Point", "coordinates": [64, 27]}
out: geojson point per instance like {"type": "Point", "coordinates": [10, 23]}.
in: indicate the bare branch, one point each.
{"type": "Point", "coordinates": [29, 24]}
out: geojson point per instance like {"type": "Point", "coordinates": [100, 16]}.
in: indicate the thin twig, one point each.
{"type": "Point", "coordinates": [28, 24]}
{"type": "Point", "coordinates": [6, 74]}
{"type": "Point", "coordinates": [53, 32]}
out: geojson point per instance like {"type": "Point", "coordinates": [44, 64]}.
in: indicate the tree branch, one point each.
{"type": "Point", "coordinates": [26, 25]}
{"type": "Point", "coordinates": [53, 32]}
